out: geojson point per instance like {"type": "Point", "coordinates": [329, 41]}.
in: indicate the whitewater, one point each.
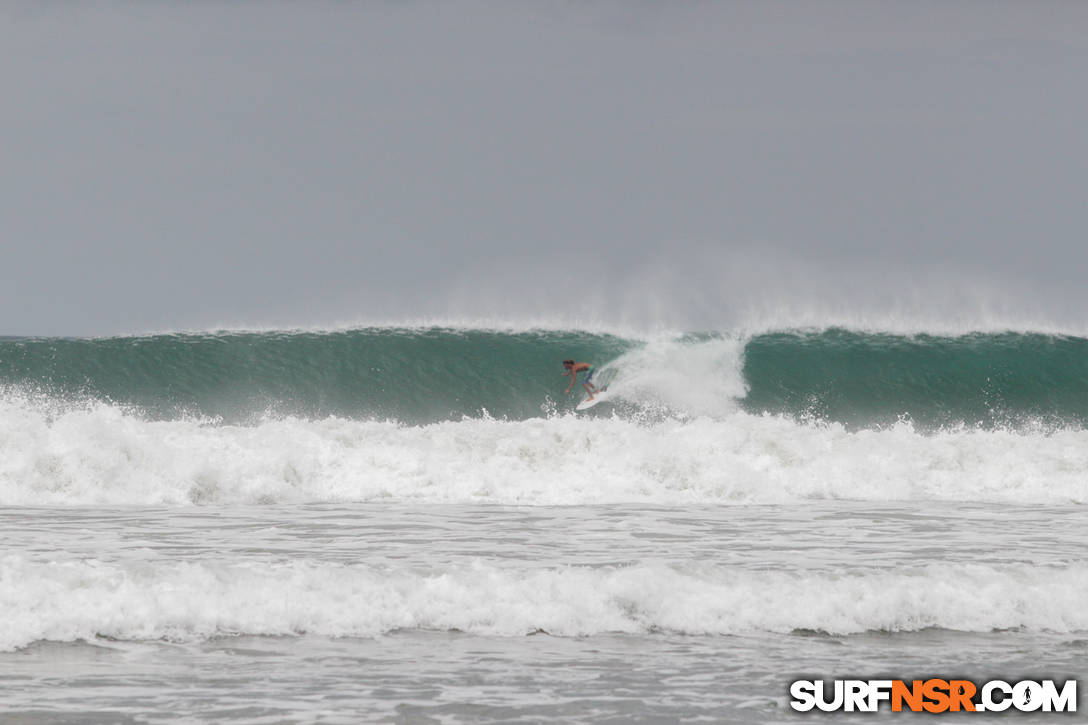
{"type": "Point", "coordinates": [417, 520]}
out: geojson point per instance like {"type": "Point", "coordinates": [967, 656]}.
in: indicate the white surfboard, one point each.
{"type": "Point", "coordinates": [589, 403]}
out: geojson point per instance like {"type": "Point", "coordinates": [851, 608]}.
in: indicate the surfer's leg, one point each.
{"type": "Point", "coordinates": [589, 392]}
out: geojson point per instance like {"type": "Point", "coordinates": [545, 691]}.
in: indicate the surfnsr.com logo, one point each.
{"type": "Point", "coordinates": [933, 695]}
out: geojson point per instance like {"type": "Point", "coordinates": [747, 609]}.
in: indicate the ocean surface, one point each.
{"type": "Point", "coordinates": [413, 525]}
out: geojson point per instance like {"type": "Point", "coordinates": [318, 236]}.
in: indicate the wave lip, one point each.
{"type": "Point", "coordinates": [84, 599]}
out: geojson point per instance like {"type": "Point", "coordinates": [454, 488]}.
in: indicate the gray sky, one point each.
{"type": "Point", "coordinates": [697, 165]}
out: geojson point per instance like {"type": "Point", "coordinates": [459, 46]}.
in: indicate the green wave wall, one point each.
{"type": "Point", "coordinates": [864, 379]}
{"type": "Point", "coordinates": [409, 375]}
{"type": "Point", "coordinates": [425, 375]}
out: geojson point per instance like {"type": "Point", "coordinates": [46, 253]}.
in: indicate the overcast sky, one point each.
{"type": "Point", "coordinates": [170, 165]}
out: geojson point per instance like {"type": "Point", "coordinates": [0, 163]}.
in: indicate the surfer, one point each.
{"type": "Point", "coordinates": [573, 368]}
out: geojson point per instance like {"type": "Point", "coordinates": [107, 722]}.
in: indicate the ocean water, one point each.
{"type": "Point", "coordinates": [413, 525]}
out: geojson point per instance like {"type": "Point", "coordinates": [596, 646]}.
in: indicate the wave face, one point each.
{"type": "Point", "coordinates": [862, 379]}
{"type": "Point", "coordinates": [408, 375]}
{"type": "Point", "coordinates": [418, 376]}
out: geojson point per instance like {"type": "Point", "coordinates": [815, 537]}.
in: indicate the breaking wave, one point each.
{"type": "Point", "coordinates": [83, 599]}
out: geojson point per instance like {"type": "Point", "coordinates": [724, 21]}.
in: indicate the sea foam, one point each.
{"type": "Point", "coordinates": [96, 453]}
{"type": "Point", "coordinates": [66, 600]}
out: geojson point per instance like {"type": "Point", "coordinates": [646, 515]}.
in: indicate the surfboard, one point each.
{"type": "Point", "coordinates": [587, 404]}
